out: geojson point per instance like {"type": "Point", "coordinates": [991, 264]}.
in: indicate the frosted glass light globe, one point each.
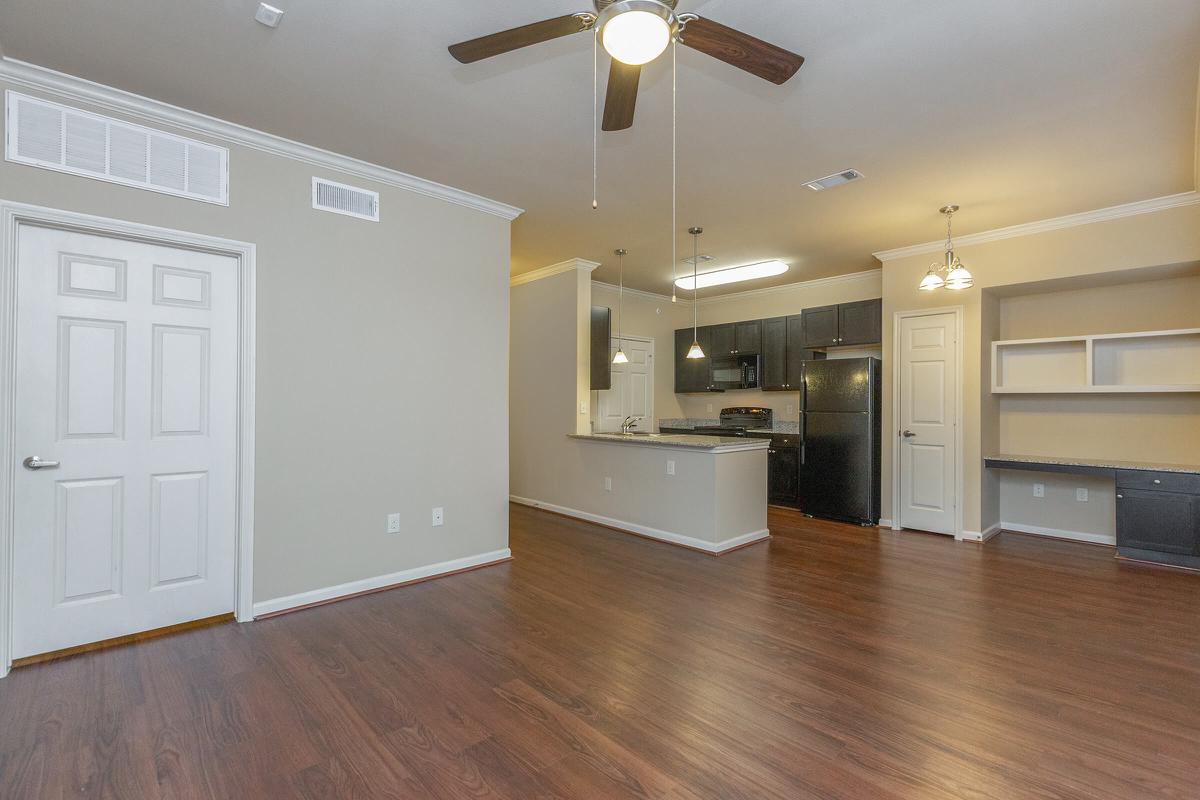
{"type": "Point", "coordinates": [636, 37]}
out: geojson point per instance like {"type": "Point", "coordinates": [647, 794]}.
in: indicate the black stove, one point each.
{"type": "Point", "coordinates": [739, 419]}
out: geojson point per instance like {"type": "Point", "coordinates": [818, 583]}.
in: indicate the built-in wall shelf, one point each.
{"type": "Point", "coordinates": [1106, 363]}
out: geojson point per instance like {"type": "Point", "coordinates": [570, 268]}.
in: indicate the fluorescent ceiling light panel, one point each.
{"type": "Point", "coordinates": [763, 269]}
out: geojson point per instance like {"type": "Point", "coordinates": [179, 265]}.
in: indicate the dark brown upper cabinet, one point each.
{"type": "Point", "coordinates": [820, 326]}
{"type": "Point", "coordinates": [845, 324]}
{"type": "Point", "coordinates": [737, 338]}
{"type": "Point", "coordinates": [784, 353]}
{"type": "Point", "coordinates": [860, 322]}
{"type": "Point", "coordinates": [601, 337]}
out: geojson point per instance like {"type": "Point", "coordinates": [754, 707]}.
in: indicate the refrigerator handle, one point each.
{"type": "Point", "coordinates": [802, 437]}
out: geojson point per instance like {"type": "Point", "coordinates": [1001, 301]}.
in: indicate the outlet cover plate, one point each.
{"type": "Point", "coordinates": [393, 523]}
{"type": "Point", "coordinates": [439, 517]}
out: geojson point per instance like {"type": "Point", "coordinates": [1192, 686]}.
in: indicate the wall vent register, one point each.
{"type": "Point", "coordinates": [342, 199]}
{"type": "Point", "coordinates": [52, 136]}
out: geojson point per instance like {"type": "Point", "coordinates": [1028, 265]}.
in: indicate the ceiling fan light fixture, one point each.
{"type": "Point", "coordinates": [636, 32]}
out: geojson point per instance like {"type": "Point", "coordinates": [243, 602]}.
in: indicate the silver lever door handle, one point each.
{"type": "Point", "coordinates": [907, 434]}
{"type": "Point", "coordinates": [35, 463]}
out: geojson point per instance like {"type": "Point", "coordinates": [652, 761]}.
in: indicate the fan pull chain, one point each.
{"type": "Point", "coordinates": [595, 115]}
{"type": "Point", "coordinates": [674, 187]}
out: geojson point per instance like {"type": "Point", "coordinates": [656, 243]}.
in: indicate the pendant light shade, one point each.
{"type": "Point", "coordinates": [957, 277]}
{"type": "Point", "coordinates": [695, 351]}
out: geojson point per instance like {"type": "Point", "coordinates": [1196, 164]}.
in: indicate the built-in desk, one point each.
{"type": "Point", "coordinates": [1158, 505]}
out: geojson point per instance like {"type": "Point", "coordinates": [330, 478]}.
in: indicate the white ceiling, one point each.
{"type": "Point", "coordinates": [1018, 110]}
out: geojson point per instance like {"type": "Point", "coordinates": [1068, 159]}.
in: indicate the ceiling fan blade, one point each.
{"type": "Point", "coordinates": [741, 50]}
{"type": "Point", "coordinates": [621, 98]}
{"type": "Point", "coordinates": [516, 38]}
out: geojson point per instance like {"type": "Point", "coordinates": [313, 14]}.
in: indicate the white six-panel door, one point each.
{"type": "Point", "coordinates": [127, 377]}
{"type": "Point", "coordinates": [632, 392]}
{"type": "Point", "coordinates": [928, 376]}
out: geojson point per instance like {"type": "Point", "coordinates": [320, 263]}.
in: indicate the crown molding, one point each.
{"type": "Point", "coordinates": [793, 287]}
{"type": "Point", "coordinates": [1042, 226]}
{"type": "Point", "coordinates": [554, 269]}
{"type": "Point", "coordinates": [658, 298]}
{"type": "Point", "coordinates": [80, 90]}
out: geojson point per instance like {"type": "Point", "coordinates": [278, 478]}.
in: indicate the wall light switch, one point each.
{"type": "Point", "coordinates": [393, 523]}
{"type": "Point", "coordinates": [1081, 494]}
{"type": "Point", "coordinates": [670, 467]}
{"type": "Point", "coordinates": [439, 516]}
{"type": "Point", "coordinates": [710, 407]}
{"type": "Point", "coordinates": [790, 408]}
{"type": "Point", "coordinates": [583, 408]}
{"type": "Point", "coordinates": [1039, 490]}
{"type": "Point", "coordinates": [608, 484]}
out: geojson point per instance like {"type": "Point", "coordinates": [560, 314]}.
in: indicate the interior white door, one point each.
{"type": "Point", "coordinates": [126, 376]}
{"type": "Point", "coordinates": [928, 374]}
{"type": "Point", "coordinates": [632, 392]}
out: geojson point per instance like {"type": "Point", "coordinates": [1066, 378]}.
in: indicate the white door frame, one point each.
{"type": "Point", "coordinates": [12, 217]}
{"type": "Point", "coordinates": [958, 312]}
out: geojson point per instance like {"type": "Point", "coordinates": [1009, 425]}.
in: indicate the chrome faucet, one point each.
{"type": "Point", "coordinates": [629, 422]}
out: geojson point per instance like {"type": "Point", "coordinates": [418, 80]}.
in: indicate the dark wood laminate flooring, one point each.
{"type": "Point", "coordinates": [833, 662]}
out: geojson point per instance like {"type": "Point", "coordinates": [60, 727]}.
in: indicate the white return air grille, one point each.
{"type": "Point", "coordinates": [65, 139]}
{"type": "Point", "coordinates": [342, 199]}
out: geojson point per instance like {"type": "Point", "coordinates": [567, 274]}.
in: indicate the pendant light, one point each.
{"type": "Point", "coordinates": [957, 276]}
{"type": "Point", "coordinates": [619, 357]}
{"type": "Point", "coordinates": [695, 351]}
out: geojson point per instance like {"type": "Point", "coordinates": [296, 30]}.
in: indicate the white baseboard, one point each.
{"type": "Point", "coordinates": [644, 530]}
{"type": "Point", "coordinates": [1055, 533]}
{"type": "Point", "coordinates": [379, 582]}
{"type": "Point", "coordinates": [887, 523]}
{"type": "Point", "coordinates": [977, 536]}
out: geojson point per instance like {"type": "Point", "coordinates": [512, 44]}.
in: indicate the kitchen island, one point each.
{"type": "Point", "coordinates": [707, 493]}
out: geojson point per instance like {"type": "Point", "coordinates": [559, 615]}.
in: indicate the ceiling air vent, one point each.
{"type": "Point", "coordinates": [53, 136]}
{"type": "Point", "coordinates": [342, 199]}
{"type": "Point", "coordinates": [836, 179]}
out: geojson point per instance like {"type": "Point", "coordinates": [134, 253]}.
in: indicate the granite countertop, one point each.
{"type": "Point", "coordinates": [687, 441]}
{"type": "Point", "coordinates": [1103, 463]}
{"type": "Point", "coordinates": [692, 423]}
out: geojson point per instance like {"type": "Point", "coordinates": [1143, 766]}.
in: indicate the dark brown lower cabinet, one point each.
{"type": "Point", "coordinates": [783, 471]}
{"type": "Point", "coordinates": [1158, 525]}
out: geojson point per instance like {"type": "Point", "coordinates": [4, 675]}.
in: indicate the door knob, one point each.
{"type": "Point", "coordinates": [35, 463]}
{"type": "Point", "coordinates": [907, 434]}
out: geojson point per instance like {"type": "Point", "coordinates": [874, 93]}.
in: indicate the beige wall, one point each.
{"type": "Point", "coordinates": [363, 330]}
{"type": "Point", "coordinates": [1165, 237]}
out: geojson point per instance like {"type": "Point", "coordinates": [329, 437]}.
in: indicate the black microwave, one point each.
{"type": "Point", "coordinates": [735, 372]}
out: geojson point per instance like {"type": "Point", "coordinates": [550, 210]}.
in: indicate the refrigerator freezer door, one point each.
{"type": "Point", "coordinates": [836, 478]}
{"type": "Point", "coordinates": [838, 384]}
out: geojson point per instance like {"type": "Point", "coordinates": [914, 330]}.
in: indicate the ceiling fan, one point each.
{"type": "Point", "coordinates": [635, 32]}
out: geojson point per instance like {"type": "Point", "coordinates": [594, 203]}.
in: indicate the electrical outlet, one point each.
{"type": "Point", "coordinates": [393, 523]}
{"type": "Point", "coordinates": [1039, 490]}
{"type": "Point", "coordinates": [439, 516]}
{"type": "Point", "coordinates": [670, 467]}
{"type": "Point", "coordinates": [607, 484]}
{"type": "Point", "coordinates": [710, 408]}
{"type": "Point", "coordinates": [1081, 494]}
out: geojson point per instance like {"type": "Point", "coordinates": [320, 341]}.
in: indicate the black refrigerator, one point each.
{"type": "Point", "coordinates": [840, 439]}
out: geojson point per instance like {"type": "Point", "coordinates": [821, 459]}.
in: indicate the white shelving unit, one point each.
{"type": "Point", "coordinates": [1106, 363]}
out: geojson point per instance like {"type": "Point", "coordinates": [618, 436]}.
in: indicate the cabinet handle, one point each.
{"type": "Point", "coordinates": [1120, 496]}
{"type": "Point", "coordinates": [771, 452]}
{"type": "Point", "coordinates": [1156, 480]}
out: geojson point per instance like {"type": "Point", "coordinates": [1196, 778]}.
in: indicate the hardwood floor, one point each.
{"type": "Point", "coordinates": [833, 662]}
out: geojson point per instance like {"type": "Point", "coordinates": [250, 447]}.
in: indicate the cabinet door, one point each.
{"type": "Point", "coordinates": [820, 326]}
{"type": "Point", "coordinates": [1161, 521]}
{"type": "Point", "coordinates": [722, 340]}
{"type": "Point", "coordinates": [783, 464]}
{"type": "Point", "coordinates": [774, 353]}
{"type": "Point", "coordinates": [796, 354]}
{"type": "Point", "coordinates": [601, 335]}
{"type": "Point", "coordinates": [860, 322]}
{"type": "Point", "coordinates": [747, 337]}
{"type": "Point", "coordinates": [691, 374]}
